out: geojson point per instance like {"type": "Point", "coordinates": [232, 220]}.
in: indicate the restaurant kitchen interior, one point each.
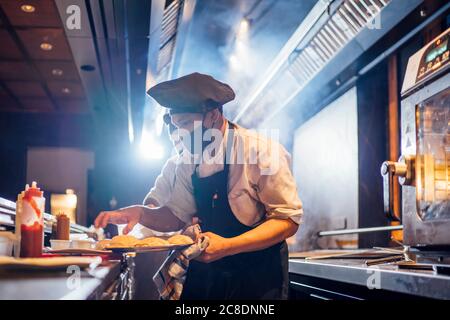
{"type": "Point", "coordinates": [357, 91]}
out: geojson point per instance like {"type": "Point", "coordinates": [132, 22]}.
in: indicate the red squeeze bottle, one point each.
{"type": "Point", "coordinates": [30, 221]}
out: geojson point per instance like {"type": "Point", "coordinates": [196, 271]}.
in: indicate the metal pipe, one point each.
{"type": "Point", "coordinates": [358, 230]}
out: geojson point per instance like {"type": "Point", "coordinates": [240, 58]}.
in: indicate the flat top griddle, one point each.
{"type": "Point", "coordinates": [342, 254]}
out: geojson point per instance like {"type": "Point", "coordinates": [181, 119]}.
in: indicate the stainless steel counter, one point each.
{"type": "Point", "coordinates": [51, 285]}
{"type": "Point", "coordinates": [387, 277]}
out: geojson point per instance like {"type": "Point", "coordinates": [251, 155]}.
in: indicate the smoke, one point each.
{"type": "Point", "coordinates": [219, 45]}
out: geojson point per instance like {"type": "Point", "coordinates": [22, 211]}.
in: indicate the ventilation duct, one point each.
{"type": "Point", "coordinates": [331, 37]}
{"type": "Point", "coordinates": [169, 26]}
{"type": "Point", "coordinates": [347, 21]}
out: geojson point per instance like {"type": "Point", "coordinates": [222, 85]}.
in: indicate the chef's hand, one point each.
{"type": "Point", "coordinates": [129, 216]}
{"type": "Point", "coordinates": [218, 248]}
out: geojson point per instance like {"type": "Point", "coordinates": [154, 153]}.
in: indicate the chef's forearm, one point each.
{"type": "Point", "coordinates": [150, 202]}
{"type": "Point", "coordinates": [263, 236]}
{"type": "Point", "coordinates": [160, 219]}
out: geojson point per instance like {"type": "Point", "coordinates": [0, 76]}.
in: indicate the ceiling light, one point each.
{"type": "Point", "coordinates": [57, 72]}
{"type": "Point", "coordinates": [65, 90]}
{"type": "Point", "coordinates": [28, 8]}
{"type": "Point", "coordinates": [46, 46]}
{"type": "Point", "coordinates": [244, 26]}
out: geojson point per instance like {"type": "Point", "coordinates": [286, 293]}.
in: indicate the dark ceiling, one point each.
{"type": "Point", "coordinates": [33, 79]}
{"type": "Point", "coordinates": [127, 45]}
{"type": "Point", "coordinates": [131, 46]}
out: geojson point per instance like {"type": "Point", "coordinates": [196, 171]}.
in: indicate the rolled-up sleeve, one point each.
{"type": "Point", "coordinates": [277, 189]}
{"type": "Point", "coordinates": [182, 202]}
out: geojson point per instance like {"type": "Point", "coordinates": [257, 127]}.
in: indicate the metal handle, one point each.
{"type": "Point", "coordinates": [388, 169]}
{"type": "Point", "coordinates": [358, 230]}
{"type": "Point", "coordinates": [404, 170]}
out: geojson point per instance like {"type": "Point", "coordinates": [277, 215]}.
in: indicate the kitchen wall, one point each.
{"type": "Point", "coordinates": [325, 154]}
{"type": "Point", "coordinates": [337, 155]}
{"type": "Point", "coordinates": [58, 169]}
{"type": "Point", "coordinates": [20, 131]}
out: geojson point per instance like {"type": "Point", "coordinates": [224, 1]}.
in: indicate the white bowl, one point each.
{"type": "Point", "coordinates": [60, 244]}
{"type": "Point", "coordinates": [83, 244]}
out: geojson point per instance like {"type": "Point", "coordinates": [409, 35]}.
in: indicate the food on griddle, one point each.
{"type": "Point", "coordinates": [127, 241]}
{"type": "Point", "coordinates": [152, 242]}
{"type": "Point", "coordinates": [103, 244]}
{"type": "Point", "coordinates": [180, 239]}
{"type": "Point", "coordinates": [123, 241]}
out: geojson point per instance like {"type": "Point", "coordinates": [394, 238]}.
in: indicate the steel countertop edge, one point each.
{"type": "Point", "coordinates": [354, 271]}
{"type": "Point", "coordinates": [43, 285]}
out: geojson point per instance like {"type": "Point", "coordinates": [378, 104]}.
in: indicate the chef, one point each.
{"type": "Point", "coordinates": [244, 196]}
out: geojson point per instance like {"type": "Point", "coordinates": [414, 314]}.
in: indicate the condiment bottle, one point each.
{"type": "Point", "coordinates": [30, 221]}
{"type": "Point", "coordinates": [62, 227]}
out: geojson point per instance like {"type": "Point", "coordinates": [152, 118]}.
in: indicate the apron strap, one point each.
{"type": "Point", "coordinates": [229, 147]}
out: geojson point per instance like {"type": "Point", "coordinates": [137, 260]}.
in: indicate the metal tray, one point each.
{"type": "Point", "coordinates": [73, 251]}
{"type": "Point", "coordinates": [148, 249]}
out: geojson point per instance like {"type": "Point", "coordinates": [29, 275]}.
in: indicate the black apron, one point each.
{"type": "Point", "coordinates": [255, 275]}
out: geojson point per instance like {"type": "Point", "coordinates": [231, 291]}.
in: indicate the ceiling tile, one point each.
{"type": "Point", "coordinates": [44, 15]}
{"type": "Point", "coordinates": [9, 47]}
{"type": "Point", "coordinates": [37, 104]}
{"type": "Point", "coordinates": [50, 70]}
{"type": "Point", "coordinates": [32, 38]}
{"type": "Point", "coordinates": [16, 70]}
{"type": "Point", "coordinates": [26, 88]}
{"type": "Point", "coordinates": [65, 89]}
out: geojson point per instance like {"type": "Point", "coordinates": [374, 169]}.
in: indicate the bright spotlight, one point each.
{"type": "Point", "coordinates": [149, 148]}
{"type": "Point", "coordinates": [240, 47]}
{"type": "Point", "coordinates": [234, 62]}
{"type": "Point", "coordinates": [244, 26]}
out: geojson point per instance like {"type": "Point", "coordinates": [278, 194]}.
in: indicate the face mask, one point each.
{"type": "Point", "coordinates": [175, 139]}
{"type": "Point", "coordinates": [193, 142]}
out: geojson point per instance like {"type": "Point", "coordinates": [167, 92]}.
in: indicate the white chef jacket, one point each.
{"type": "Point", "coordinates": [162, 190]}
{"type": "Point", "coordinates": [260, 182]}
{"type": "Point", "coordinates": [161, 193]}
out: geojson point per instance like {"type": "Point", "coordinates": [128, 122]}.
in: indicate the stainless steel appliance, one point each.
{"type": "Point", "coordinates": [423, 170]}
